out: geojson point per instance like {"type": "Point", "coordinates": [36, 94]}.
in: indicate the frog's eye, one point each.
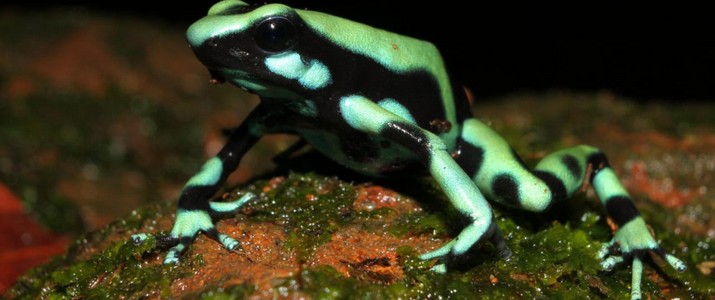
{"type": "Point", "coordinates": [276, 34]}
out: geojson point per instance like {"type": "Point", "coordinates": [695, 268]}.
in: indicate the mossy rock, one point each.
{"type": "Point", "coordinates": [317, 236]}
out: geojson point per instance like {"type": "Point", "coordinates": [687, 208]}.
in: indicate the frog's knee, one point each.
{"type": "Point", "coordinates": [536, 195]}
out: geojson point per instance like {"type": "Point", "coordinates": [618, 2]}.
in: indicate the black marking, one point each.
{"type": "Point", "coordinates": [212, 233]}
{"type": "Point", "coordinates": [571, 164]}
{"type": "Point", "coordinates": [196, 197]}
{"type": "Point", "coordinates": [186, 242]}
{"type": "Point", "coordinates": [166, 241]}
{"type": "Point", "coordinates": [470, 157]}
{"type": "Point", "coordinates": [385, 144]}
{"type": "Point", "coordinates": [497, 239]}
{"type": "Point", "coordinates": [598, 162]}
{"type": "Point", "coordinates": [403, 170]}
{"type": "Point", "coordinates": [621, 210]}
{"type": "Point", "coordinates": [409, 136]}
{"type": "Point", "coordinates": [659, 251]}
{"type": "Point", "coordinates": [506, 188]}
{"type": "Point", "coordinates": [556, 186]}
{"type": "Point", "coordinates": [358, 146]}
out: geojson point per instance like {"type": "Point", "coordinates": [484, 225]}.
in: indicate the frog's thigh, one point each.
{"type": "Point", "coordinates": [502, 176]}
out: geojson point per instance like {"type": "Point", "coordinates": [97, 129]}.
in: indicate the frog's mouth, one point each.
{"type": "Point", "coordinates": [216, 77]}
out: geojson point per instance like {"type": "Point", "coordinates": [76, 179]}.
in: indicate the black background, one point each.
{"type": "Point", "coordinates": [647, 53]}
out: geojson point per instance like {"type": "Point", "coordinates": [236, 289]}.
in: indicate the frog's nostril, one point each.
{"type": "Point", "coordinates": [213, 42]}
{"type": "Point", "coordinates": [238, 53]}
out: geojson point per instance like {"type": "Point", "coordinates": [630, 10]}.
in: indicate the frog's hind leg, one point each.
{"type": "Point", "coordinates": [502, 177]}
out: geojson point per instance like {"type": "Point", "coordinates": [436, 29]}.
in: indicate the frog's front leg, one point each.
{"type": "Point", "coordinates": [501, 175]}
{"type": "Point", "coordinates": [195, 212]}
{"type": "Point", "coordinates": [364, 115]}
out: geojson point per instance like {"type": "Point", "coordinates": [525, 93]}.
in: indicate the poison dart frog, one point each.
{"type": "Point", "coordinates": [383, 104]}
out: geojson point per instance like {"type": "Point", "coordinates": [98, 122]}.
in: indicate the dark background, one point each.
{"type": "Point", "coordinates": [647, 53]}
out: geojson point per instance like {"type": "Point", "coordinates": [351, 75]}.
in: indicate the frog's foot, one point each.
{"type": "Point", "coordinates": [469, 236]}
{"type": "Point", "coordinates": [630, 244]}
{"type": "Point", "coordinates": [189, 222]}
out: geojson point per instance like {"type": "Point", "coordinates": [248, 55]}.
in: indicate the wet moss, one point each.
{"type": "Point", "coordinates": [309, 207]}
{"type": "Point", "coordinates": [228, 293]}
{"type": "Point", "coordinates": [118, 270]}
{"type": "Point", "coordinates": [551, 258]}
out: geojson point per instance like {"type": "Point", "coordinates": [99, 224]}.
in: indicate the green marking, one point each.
{"type": "Point", "coordinates": [498, 160]}
{"type": "Point", "coordinates": [635, 235]}
{"type": "Point", "coordinates": [190, 222]}
{"type": "Point", "coordinates": [397, 108]}
{"type": "Point", "coordinates": [636, 279]}
{"type": "Point", "coordinates": [216, 25]}
{"type": "Point", "coordinates": [607, 185]}
{"type": "Point", "coordinates": [260, 88]}
{"type": "Point", "coordinates": [228, 242]}
{"type": "Point", "coordinates": [209, 175]}
{"type": "Point", "coordinates": [553, 164]}
{"type": "Point", "coordinates": [364, 115]}
{"type": "Point", "coordinates": [458, 187]}
{"type": "Point", "coordinates": [398, 53]}
{"type": "Point", "coordinates": [221, 6]}
{"type": "Point", "coordinates": [311, 75]}
{"type": "Point", "coordinates": [497, 153]}
{"type": "Point", "coordinates": [224, 207]}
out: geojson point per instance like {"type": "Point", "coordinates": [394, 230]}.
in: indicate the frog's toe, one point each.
{"type": "Point", "coordinates": [676, 263]}
{"type": "Point", "coordinates": [607, 249]}
{"type": "Point", "coordinates": [225, 240]}
{"type": "Point", "coordinates": [440, 252]}
{"type": "Point", "coordinates": [673, 261]}
{"type": "Point", "coordinates": [182, 243]}
{"type": "Point", "coordinates": [221, 208]}
{"type": "Point", "coordinates": [637, 268]}
{"type": "Point", "coordinates": [440, 268]}
{"type": "Point", "coordinates": [187, 225]}
{"type": "Point", "coordinates": [139, 238]}
{"type": "Point", "coordinates": [634, 255]}
{"type": "Point", "coordinates": [178, 246]}
{"type": "Point", "coordinates": [610, 262]}
{"type": "Point", "coordinates": [636, 277]}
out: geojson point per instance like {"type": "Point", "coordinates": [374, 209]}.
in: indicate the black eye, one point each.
{"type": "Point", "coordinates": [276, 34]}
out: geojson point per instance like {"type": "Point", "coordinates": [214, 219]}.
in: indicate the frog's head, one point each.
{"type": "Point", "coordinates": [257, 48]}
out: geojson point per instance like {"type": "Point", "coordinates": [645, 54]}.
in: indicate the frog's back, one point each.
{"type": "Point", "coordinates": [382, 65]}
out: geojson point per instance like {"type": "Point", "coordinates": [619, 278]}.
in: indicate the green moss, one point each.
{"type": "Point", "coordinates": [309, 207]}
{"type": "Point", "coordinates": [118, 270]}
{"type": "Point", "coordinates": [555, 260]}
{"type": "Point", "coordinates": [551, 258]}
{"type": "Point", "coordinates": [419, 223]}
{"type": "Point", "coordinates": [229, 293]}
{"type": "Point", "coordinates": [324, 282]}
